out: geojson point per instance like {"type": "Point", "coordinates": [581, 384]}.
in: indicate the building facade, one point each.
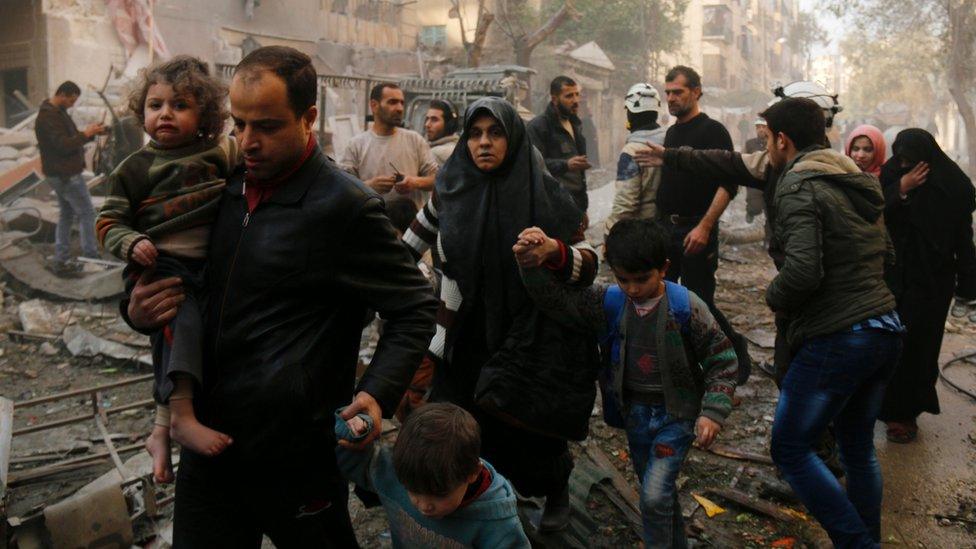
{"type": "Point", "coordinates": [45, 42]}
{"type": "Point", "coordinates": [739, 45]}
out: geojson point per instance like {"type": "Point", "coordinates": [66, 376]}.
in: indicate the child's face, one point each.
{"type": "Point", "coordinates": [641, 286]}
{"type": "Point", "coordinates": [171, 120]}
{"type": "Point", "coordinates": [438, 507]}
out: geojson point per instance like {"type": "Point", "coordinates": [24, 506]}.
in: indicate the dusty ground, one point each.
{"type": "Point", "coordinates": [930, 485]}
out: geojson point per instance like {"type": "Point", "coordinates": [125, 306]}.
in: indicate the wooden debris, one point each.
{"type": "Point", "coordinates": [6, 434]}
{"type": "Point", "coordinates": [783, 514]}
{"type": "Point", "coordinates": [733, 453]}
{"type": "Point", "coordinates": [618, 481]}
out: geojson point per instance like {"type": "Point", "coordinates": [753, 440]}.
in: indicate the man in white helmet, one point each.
{"type": "Point", "coordinates": [637, 187]}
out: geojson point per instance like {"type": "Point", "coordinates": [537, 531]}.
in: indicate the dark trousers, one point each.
{"type": "Point", "coordinates": [177, 348]}
{"type": "Point", "coordinates": [223, 504]}
{"type": "Point", "coordinates": [697, 273]}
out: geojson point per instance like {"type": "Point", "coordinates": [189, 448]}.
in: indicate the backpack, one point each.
{"type": "Point", "coordinates": [614, 306]}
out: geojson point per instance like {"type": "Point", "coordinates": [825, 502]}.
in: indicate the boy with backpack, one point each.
{"type": "Point", "coordinates": [669, 371]}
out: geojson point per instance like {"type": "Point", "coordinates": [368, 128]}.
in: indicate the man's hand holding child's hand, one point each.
{"type": "Point", "coordinates": [357, 425]}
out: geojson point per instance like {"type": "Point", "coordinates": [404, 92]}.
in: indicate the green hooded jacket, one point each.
{"type": "Point", "coordinates": [829, 222]}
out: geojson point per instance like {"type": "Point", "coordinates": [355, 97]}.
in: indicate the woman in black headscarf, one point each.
{"type": "Point", "coordinates": [929, 206]}
{"type": "Point", "coordinates": [528, 380]}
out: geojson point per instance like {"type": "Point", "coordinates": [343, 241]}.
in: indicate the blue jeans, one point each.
{"type": "Point", "coordinates": [658, 446]}
{"type": "Point", "coordinates": [839, 377]}
{"type": "Point", "coordinates": [74, 202]}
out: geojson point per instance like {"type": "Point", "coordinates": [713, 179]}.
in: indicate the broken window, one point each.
{"type": "Point", "coordinates": [433, 36]}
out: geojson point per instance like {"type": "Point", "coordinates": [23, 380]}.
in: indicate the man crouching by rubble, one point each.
{"type": "Point", "coordinates": [298, 252]}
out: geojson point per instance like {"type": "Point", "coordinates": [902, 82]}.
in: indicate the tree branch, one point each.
{"type": "Point", "coordinates": [539, 35]}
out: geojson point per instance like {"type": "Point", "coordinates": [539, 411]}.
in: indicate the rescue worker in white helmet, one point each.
{"type": "Point", "coordinates": [815, 92]}
{"type": "Point", "coordinates": [636, 190]}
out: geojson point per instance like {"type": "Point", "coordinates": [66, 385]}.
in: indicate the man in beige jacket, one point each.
{"type": "Point", "coordinates": [636, 186]}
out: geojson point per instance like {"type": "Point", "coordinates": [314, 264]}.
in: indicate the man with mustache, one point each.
{"type": "Point", "coordinates": [299, 250]}
{"type": "Point", "coordinates": [392, 160]}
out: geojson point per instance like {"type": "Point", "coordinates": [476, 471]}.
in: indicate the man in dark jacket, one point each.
{"type": "Point", "coordinates": [558, 134]}
{"type": "Point", "coordinates": [843, 325]}
{"type": "Point", "coordinates": [62, 149]}
{"type": "Point", "coordinates": [299, 251]}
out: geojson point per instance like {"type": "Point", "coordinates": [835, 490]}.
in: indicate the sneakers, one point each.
{"type": "Point", "coordinates": [64, 269]}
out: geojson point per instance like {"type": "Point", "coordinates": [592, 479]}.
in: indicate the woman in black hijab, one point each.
{"type": "Point", "coordinates": [528, 380]}
{"type": "Point", "coordinates": [929, 206]}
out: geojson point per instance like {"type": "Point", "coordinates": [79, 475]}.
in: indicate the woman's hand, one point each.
{"type": "Point", "coordinates": [534, 248]}
{"type": "Point", "coordinates": [915, 177]}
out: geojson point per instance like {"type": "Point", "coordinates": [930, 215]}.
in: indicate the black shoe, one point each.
{"type": "Point", "coordinates": [64, 269]}
{"type": "Point", "coordinates": [556, 514]}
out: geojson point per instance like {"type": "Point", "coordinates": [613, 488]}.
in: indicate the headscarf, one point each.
{"type": "Point", "coordinates": [481, 215]}
{"type": "Point", "coordinates": [877, 141]}
{"type": "Point", "coordinates": [946, 197]}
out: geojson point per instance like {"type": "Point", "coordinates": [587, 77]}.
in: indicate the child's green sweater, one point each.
{"type": "Point", "coordinates": [169, 196]}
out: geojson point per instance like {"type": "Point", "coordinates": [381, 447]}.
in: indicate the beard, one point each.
{"type": "Point", "coordinates": [391, 119]}
{"type": "Point", "coordinates": [679, 110]}
{"type": "Point", "coordinates": [564, 111]}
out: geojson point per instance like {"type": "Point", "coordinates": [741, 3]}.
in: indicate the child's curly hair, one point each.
{"type": "Point", "coordinates": [188, 76]}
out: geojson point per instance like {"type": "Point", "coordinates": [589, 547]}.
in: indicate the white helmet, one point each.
{"type": "Point", "coordinates": [814, 91]}
{"type": "Point", "coordinates": [643, 98]}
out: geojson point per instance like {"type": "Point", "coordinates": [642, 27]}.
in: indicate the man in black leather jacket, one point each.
{"type": "Point", "coordinates": [298, 251]}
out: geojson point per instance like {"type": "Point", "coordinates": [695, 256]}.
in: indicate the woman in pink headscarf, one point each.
{"type": "Point", "coordinates": [866, 147]}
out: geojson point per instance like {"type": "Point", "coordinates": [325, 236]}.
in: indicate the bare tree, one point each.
{"type": "Point", "coordinates": [952, 23]}
{"type": "Point", "coordinates": [961, 42]}
{"type": "Point", "coordinates": [475, 47]}
{"type": "Point", "coordinates": [513, 17]}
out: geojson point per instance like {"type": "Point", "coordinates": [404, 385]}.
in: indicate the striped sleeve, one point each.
{"type": "Point", "coordinates": [423, 230]}
{"type": "Point", "coordinates": [718, 361]}
{"type": "Point", "coordinates": [579, 262]}
{"type": "Point", "coordinates": [114, 226]}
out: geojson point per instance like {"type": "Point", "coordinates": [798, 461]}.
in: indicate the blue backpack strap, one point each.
{"type": "Point", "coordinates": [613, 308]}
{"type": "Point", "coordinates": [679, 301]}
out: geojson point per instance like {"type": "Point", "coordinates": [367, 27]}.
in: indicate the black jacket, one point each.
{"type": "Point", "coordinates": [62, 146]}
{"type": "Point", "coordinates": [289, 287]}
{"type": "Point", "coordinates": [557, 146]}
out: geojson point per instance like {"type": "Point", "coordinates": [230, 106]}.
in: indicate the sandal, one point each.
{"type": "Point", "coordinates": [901, 433]}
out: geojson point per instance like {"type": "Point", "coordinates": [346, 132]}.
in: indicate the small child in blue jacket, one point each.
{"type": "Point", "coordinates": [435, 489]}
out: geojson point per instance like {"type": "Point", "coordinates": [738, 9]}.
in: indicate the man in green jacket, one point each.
{"type": "Point", "coordinates": [843, 328]}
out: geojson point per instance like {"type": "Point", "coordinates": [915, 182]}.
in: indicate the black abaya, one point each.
{"type": "Point", "coordinates": [932, 232]}
{"type": "Point", "coordinates": [480, 217]}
